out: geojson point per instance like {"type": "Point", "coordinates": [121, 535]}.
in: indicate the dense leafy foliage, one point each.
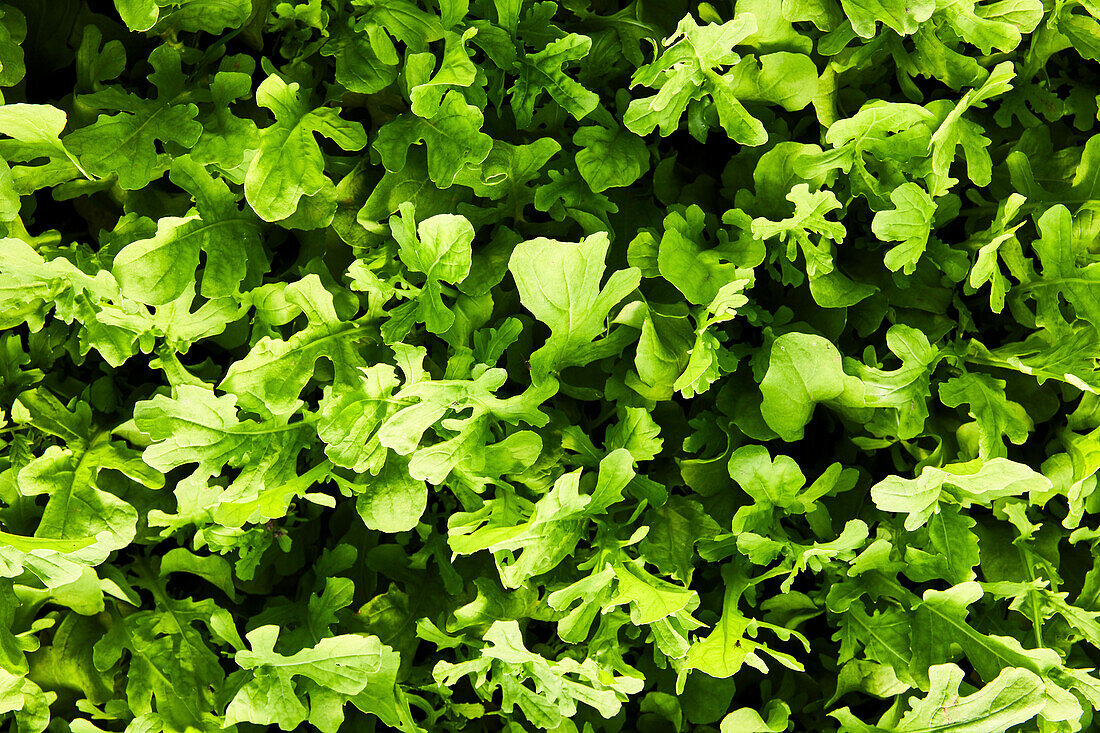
{"type": "Point", "coordinates": [579, 366]}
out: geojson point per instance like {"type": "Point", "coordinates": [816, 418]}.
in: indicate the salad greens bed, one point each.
{"type": "Point", "coordinates": [578, 366]}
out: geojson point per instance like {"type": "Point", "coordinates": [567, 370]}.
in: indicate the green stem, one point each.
{"type": "Point", "coordinates": [1036, 619]}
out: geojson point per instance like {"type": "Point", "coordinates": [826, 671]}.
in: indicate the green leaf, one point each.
{"type": "Point", "coordinates": [610, 158]}
{"type": "Point", "coordinates": [289, 164]}
{"type": "Point", "coordinates": [164, 657]}
{"type": "Point", "coordinates": [70, 477]}
{"type": "Point", "coordinates": [159, 270]}
{"type": "Point", "coordinates": [549, 532]}
{"type": "Point", "coordinates": [909, 222]}
{"type": "Point", "coordinates": [364, 65]}
{"type": "Point", "coordinates": [211, 568]}
{"type": "Point", "coordinates": [674, 530]}
{"type": "Point", "coordinates": [392, 501]}
{"type": "Point", "coordinates": [997, 416]}
{"type": "Point", "coordinates": [809, 218]}
{"type": "Point", "coordinates": [227, 139]}
{"type": "Point", "coordinates": [747, 720]}
{"type": "Point", "coordinates": [455, 71]}
{"type": "Point", "coordinates": [974, 482]}
{"type": "Point", "coordinates": [351, 415]}
{"type": "Point", "coordinates": [958, 130]}
{"type": "Point", "coordinates": [684, 73]}
{"type": "Point", "coordinates": [940, 629]}
{"type": "Point", "coordinates": [211, 16]}
{"type": "Point", "coordinates": [661, 346]}
{"type": "Point", "coordinates": [984, 27]}
{"type": "Point", "coordinates": [785, 79]}
{"type": "Point", "coordinates": [770, 483]}
{"type": "Point", "coordinates": [542, 72]}
{"type": "Point", "coordinates": [563, 683]}
{"type": "Point", "coordinates": [197, 427]}
{"type": "Point", "coordinates": [950, 536]}
{"type": "Point", "coordinates": [700, 273]}
{"type": "Point", "coordinates": [125, 144]}
{"type": "Point", "coordinates": [1013, 698]}
{"type": "Point", "coordinates": [39, 128]}
{"type": "Point", "coordinates": [138, 15]}
{"type": "Point", "coordinates": [903, 19]}
{"type": "Point", "coordinates": [1061, 274]}
{"type": "Point", "coordinates": [559, 283]}
{"type": "Point", "coordinates": [270, 378]}
{"type": "Point", "coordinates": [731, 644]}
{"type": "Point", "coordinates": [13, 68]}
{"type": "Point", "coordinates": [439, 247]}
{"type": "Point", "coordinates": [651, 599]}
{"type": "Point", "coordinates": [803, 369]}
{"type": "Point", "coordinates": [340, 665]}
{"type": "Point", "coordinates": [452, 137]}
{"type": "Point", "coordinates": [637, 433]}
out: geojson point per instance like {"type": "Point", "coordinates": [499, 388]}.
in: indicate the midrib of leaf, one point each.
{"type": "Point", "coordinates": [880, 639]}
{"type": "Point", "coordinates": [1037, 370]}
{"type": "Point", "coordinates": [439, 133]}
{"type": "Point", "coordinates": [344, 329]}
{"type": "Point", "coordinates": [429, 274]}
{"type": "Point", "coordinates": [550, 81]}
{"type": "Point", "coordinates": [955, 725]}
{"type": "Point", "coordinates": [398, 16]}
{"type": "Point", "coordinates": [702, 65]}
{"type": "Point", "coordinates": [203, 228]}
{"type": "Point", "coordinates": [279, 152]}
{"type": "Point", "coordinates": [307, 420]}
{"type": "Point", "coordinates": [227, 221]}
{"type": "Point", "coordinates": [730, 638]}
{"type": "Point", "coordinates": [937, 521]}
{"type": "Point", "coordinates": [134, 648]}
{"type": "Point", "coordinates": [408, 620]}
{"type": "Point", "coordinates": [164, 604]}
{"type": "Point", "coordinates": [615, 20]}
{"type": "Point", "coordinates": [45, 543]}
{"type": "Point", "coordinates": [85, 449]}
{"type": "Point", "coordinates": [568, 302]}
{"type": "Point", "coordinates": [1054, 283]}
{"type": "Point", "coordinates": [974, 635]}
{"type": "Point", "coordinates": [561, 310]}
{"type": "Point", "coordinates": [166, 105]}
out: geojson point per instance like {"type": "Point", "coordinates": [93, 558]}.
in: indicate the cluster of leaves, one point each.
{"type": "Point", "coordinates": [579, 366]}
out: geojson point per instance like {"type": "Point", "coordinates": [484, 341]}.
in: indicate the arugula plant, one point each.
{"type": "Point", "coordinates": [579, 366]}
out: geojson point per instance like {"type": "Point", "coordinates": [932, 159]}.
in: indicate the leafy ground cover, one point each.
{"type": "Point", "coordinates": [511, 365]}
